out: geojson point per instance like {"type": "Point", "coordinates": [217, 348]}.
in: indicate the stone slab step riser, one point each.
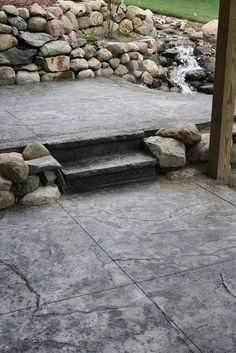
{"type": "Point", "coordinates": [92, 150]}
{"type": "Point", "coordinates": [111, 178]}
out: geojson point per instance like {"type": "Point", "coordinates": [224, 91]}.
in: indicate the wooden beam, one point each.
{"type": "Point", "coordinates": [224, 94]}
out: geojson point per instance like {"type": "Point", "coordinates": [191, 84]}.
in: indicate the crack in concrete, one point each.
{"type": "Point", "coordinates": [15, 269]}
{"type": "Point", "coordinates": [228, 291]}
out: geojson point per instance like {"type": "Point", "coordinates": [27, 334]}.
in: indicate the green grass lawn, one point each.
{"type": "Point", "coordinates": [195, 10]}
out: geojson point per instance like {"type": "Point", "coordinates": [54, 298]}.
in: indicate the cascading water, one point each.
{"type": "Point", "coordinates": [187, 62]}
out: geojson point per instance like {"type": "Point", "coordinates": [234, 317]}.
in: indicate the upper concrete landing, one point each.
{"type": "Point", "coordinates": [65, 111]}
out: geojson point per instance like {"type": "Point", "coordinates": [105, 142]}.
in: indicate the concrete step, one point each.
{"type": "Point", "coordinates": [82, 149]}
{"type": "Point", "coordinates": [112, 168]}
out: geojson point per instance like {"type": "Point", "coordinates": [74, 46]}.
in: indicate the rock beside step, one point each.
{"type": "Point", "coordinates": [40, 196]}
{"type": "Point", "coordinates": [41, 164]}
{"type": "Point", "coordinates": [169, 152]}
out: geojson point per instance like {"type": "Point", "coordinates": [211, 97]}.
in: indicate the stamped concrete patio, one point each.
{"type": "Point", "coordinates": [146, 267]}
{"type": "Point", "coordinates": [66, 111]}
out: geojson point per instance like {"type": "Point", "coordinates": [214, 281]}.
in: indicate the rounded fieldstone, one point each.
{"type": "Point", "coordinates": [35, 150]}
{"type": "Point", "coordinates": [78, 64]}
{"type": "Point", "coordinates": [7, 41]}
{"type": "Point", "coordinates": [37, 10]}
{"type": "Point", "coordinates": [114, 63]}
{"type": "Point", "coordinates": [18, 22]}
{"type": "Point", "coordinates": [77, 53]}
{"type": "Point", "coordinates": [10, 10]}
{"type": "Point", "coordinates": [96, 19]}
{"type": "Point", "coordinates": [104, 54]}
{"type": "Point", "coordinates": [186, 132]}
{"type": "Point", "coordinates": [7, 75]}
{"type": "Point", "coordinates": [86, 74]}
{"type": "Point", "coordinates": [57, 47]}
{"type": "Point", "coordinates": [26, 77]}
{"type": "Point", "coordinates": [3, 17]}
{"type": "Point", "coordinates": [42, 195]}
{"type": "Point", "coordinates": [31, 184]}
{"type": "Point", "coordinates": [7, 199]}
{"type": "Point", "coordinates": [5, 184]}
{"type": "Point", "coordinates": [121, 70]}
{"type": "Point", "coordinates": [37, 24]}
{"type": "Point", "coordinates": [94, 64]}
{"type": "Point", "coordinates": [5, 29]}
{"type": "Point", "coordinates": [13, 167]}
{"type": "Point", "coordinates": [153, 69]}
{"type": "Point", "coordinates": [147, 78]}
{"type": "Point", "coordinates": [57, 63]}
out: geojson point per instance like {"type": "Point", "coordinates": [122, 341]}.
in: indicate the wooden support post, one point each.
{"type": "Point", "coordinates": [224, 94]}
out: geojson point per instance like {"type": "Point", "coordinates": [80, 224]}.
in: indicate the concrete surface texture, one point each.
{"type": "Point", "coordinates": [147, 268]}
{"type": "Point", "coordinates": [66, 111]}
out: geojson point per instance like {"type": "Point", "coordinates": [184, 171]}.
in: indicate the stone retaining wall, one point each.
{"type": "Point", "coordinates": [45, 44]}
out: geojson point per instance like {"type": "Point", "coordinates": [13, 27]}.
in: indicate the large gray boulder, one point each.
{"type": "Point", "coordinates": [169, 152]}
{"type": "Point", "coordinates": [35, 39]}
{"type": "Point", "coordinates": [185, 132]}
{"type": "Point", "coordinates": [15, 56]}
{"type": "Point", "coordinates": [18, 22]}
{"type": "Point", "coordinates": [58, 47]}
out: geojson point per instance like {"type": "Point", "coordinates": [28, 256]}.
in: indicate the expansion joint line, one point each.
{"type": "Point", "coordinates": [21, 275]}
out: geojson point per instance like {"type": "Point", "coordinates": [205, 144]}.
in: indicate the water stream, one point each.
{"type": "Point", "coordinates": [187, 62]}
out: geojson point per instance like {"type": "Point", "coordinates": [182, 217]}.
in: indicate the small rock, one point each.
{"type": "Point", "coordinates": [57, 63]}
{"type": "Point", "coordinates": [73, 20]}
{"type": "Point", "coordinates": [26, 77]}
{"type": "Point", "coordinates": [114, 63]}
{"type": "Point", "coordinates": [7, 41]}
{"type": "Point", "coordinates": [96, 19]}
{"type": "Point", "coordinates": [195, 75]}
{"type": "Point", "coordinates": [124, 59]}
{"type": "Point", "coordinates": [134, 11]}
{"type": "Point", "coordinates": [104, 72]}
{"type": "Point", "coordinates": [211, 27]}
{"type": "Point", "coordinates": [5, 29]}
{"type": "Point", "coordinates": [77, 53]}
{"type": "Point", "coordinates": [55, 10]}
{"type": "Point", "coordinates": [200, 151]}
{"type": "Point", "coordinates": [186, 132]}
{"type": "Point", "coordinates": [78, 64]}
{"type": "Point", "coordinates": [3, 17]}
{"type": "Point", "coordinates": [90, 51]}
{"type": "Point", "coordinates": [84, 22]}
{"type": "Point", "coordinates": [18, 22]}
{"type": "Point", "coordinates": [86, 74]}
{"type": "Point", "coordinates": [207, 88]}
{"type": "Point", "coordinates": [126, 25]}
{"type": "Point", "coordinates": [7, 199]}
{"type": "Point", "coordinates": [42, 195]}
{"type": "Point", "coordinates": [104, 54]}
{"type": "Point", "coordinates": [37, 24]}
{"type": "Point", "coordinates": [7, 76]}
{"type": "Point", "coordinates": [31, 184]}
{"type": "Point", "coordinates": [5, 184]}
{"type": "Point", "coordinates": [24, 13]}
{"type": "Point", "coordinates": [41, 164]}
{"type": "Point", "coordinates": [35, 150]}
{"type": "Point", "coordinates": [121, 70]}
{"type": "Point", "coordinates": [37, 10]}
{"type": "Point", "coordinates": [67, 25]}
{"type": "Point", "coordinates": [94, 64]}
{"type": "Point", "coordinates": [13, 167]}
{"type": "Point", "coordinates": [169, 152]}
{"type": "Point", "coordinates": [151, 67]}
{"type": "Point", "coordinates": [129, 78]}
{"type": "Point", "coordinates": [10, 10]}
{"type": "Point", "coordinates": [147, 78]}
{"type": "Point", "coordinates": [117, 48]}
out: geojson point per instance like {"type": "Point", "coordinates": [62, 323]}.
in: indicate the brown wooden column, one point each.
{"type": "Point", "coordinates": [224, 94]}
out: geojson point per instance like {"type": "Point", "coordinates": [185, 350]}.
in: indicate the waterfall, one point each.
{"type": "Point", "coordinates": [187, 62]}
